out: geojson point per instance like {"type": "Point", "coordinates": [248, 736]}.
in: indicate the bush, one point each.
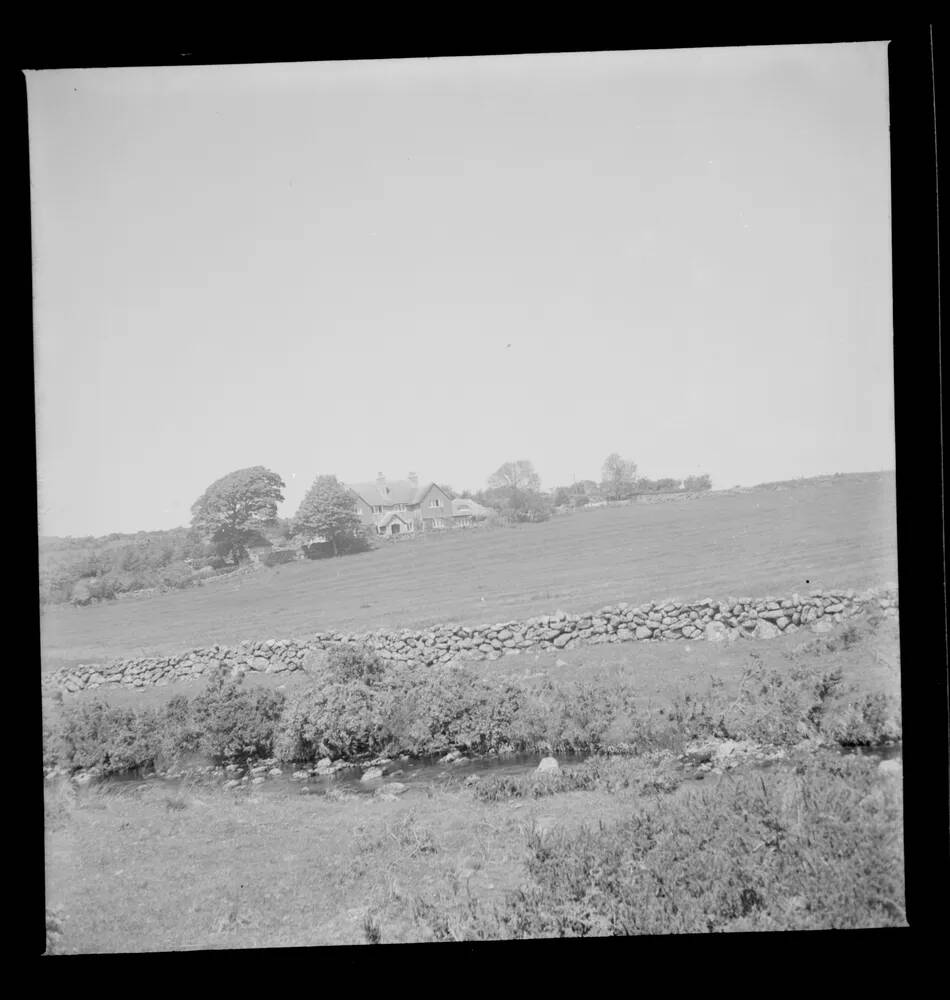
{"type": "Point", "coordinates": [233, 722]}
{"type": "Point", "coordinates": [355, 663]}
{"type": "Point", "coordinates": [93, 734]}
{"type": "Point", "coordinates": [279, 558]}
{"type": "Point", "coordinates": [780, 705]}
{"type": "Point", "coordinates": [818, 846]}
{"type": "Point", "coordinates": [336, 720]}
{"type": "Point", "coordinates": [433, 709]}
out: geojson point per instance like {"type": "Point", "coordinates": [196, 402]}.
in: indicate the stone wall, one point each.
{"type": "Point", "coordinates": [724, 620]}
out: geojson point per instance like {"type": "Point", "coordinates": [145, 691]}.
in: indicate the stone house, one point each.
{"type": "Point", "coordinates": [402, 506]}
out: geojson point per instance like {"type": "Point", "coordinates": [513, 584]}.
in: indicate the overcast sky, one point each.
{"type": "Point", "coordinates": [440, 265]}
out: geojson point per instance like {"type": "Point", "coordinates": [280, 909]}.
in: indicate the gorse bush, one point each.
{"type": "Point", "coordinates": [355, 663]}
{"type": "Point", "coordinates": [94, 734]}
{"type": "Point", "coordinates": [782, 704]}
{"type": "Point", "coordinates": [234, 722]}
{"type": "Point", "coordinates": [359, 704]}
{"type": "Point", "coordinates": [429, 710]}
{"type": "Point", "coordinates": [818, 846]}
{"type": "Point", "coordinates": [338, 720]}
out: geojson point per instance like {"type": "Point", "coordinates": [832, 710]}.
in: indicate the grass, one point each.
{"type": "Point", "coordinates": [831, 533]}
{"type": "Point", "coordinates": [130, 871]}
{"type": "Point", "coordinates": [607, 847]}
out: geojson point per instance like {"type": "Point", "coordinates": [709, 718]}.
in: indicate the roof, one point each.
{"type": "Point", "coordinates": [464, 506]}
{"type": "Point", "coordinates": [400, 491]}
{"type": "Point", "coordinates": [390, 517]}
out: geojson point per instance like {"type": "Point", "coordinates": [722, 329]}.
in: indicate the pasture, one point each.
{"type": "Point", "coordinates": [816, 533]}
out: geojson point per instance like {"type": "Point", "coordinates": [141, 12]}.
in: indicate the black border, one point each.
{"type": "Point", "coordinates": [922, 559]}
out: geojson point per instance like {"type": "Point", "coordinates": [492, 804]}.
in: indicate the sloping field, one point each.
{"type": "Point", "coordinates": [820, 533]}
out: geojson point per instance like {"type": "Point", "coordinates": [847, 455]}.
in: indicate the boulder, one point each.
{"type": "Point", "coordinates": [766, 630]}
{"type": "Point", "coordinates": [548, 765]}
{"type": "Point", "coordinates": [372, 774]}
{"type": "Point", "coordinates": [716, 632]}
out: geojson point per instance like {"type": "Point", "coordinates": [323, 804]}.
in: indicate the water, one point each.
{"type": "Point", "coordinates": [419, 774]}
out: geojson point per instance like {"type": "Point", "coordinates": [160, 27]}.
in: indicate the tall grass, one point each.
{"type": "Point", "coordinates": [816, 846]}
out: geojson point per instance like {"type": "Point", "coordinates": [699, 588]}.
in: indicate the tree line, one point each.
{"type": "Point", "coordinates": [239, 510]}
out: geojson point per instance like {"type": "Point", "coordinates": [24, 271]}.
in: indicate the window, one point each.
{"type": "Point", "coordinates": [435, 502]}
{"type": "Point", "coordinates": [437, 522]}
{"type": "Point", "coordinates": [358, 509]}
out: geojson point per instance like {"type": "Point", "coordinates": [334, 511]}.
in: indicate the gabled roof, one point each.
{"type": "Point", "coordinates": [393, 515]}
{"type": "Point", "coordinates": [400, 491]}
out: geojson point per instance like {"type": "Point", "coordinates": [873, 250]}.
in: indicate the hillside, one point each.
{"type": "Point", "coordinates": [832, 532]}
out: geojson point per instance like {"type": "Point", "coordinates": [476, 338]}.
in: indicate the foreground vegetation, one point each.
{"type": "Point", "coordinates": [357, 706]}
{"type": "Point", "coordinates": [621, 844]}
{"type": "Point", "coordinates": [813, 842]}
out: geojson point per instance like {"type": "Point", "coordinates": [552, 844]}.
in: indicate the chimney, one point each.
{"type": "Point", "coordinates": [380, 479]}
{"type": "Point", "coordinates": [414, 478]}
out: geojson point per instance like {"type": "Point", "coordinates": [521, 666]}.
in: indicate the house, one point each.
{"type": "Point", "coordinates": [466, 512]}
{"type": "Point", "coordinates": [402, 506]}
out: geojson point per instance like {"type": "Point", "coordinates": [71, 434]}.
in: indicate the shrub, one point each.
{"type": "Point", "coordinates": [429, 710]}
{"type": "Point", "coordinates": [233, 722]}
{"type": "Point", "coordinates": [355, 663]}
{"type": "Point", "coordinates": [335, 720]}
{"type": "Point", "coordinates": [818, 846]}
{"type": "Point", "coordinates": [93, 734]}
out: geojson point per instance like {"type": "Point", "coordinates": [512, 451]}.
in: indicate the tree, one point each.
{"type": "Point", "coordinates": [233, 507]}
{"type": "Point", "coordinates": [619, 477]}
{"type": "Point", "coordinates": [696, 483]}
{"type": "Point", "coordinates": [519, 475]}
{"type": "Point", "coordinates": [328, 510]}
{"type": "Point", "coordinates": [562, 497]}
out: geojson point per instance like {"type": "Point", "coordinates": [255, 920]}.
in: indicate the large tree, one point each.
{"type": "Point", "coordinates": [702, 482]}
{"type": "Point", "coordinates": [328, 510]}
{"type": "Point", "coordinates": [519, 475]}
{"type": "Point", "coordinates": [515, 491]}
{"type": "Point", "coordinates": [233, 508]}
{"type": "Point", "coordinates": [619, 477]}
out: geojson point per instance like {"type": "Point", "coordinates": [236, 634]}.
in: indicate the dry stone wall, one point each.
{"type": "Point", "coordinates": [726, 620]}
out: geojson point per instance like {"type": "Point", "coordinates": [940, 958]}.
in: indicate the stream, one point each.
{"type": "Point", "coordinates": [403, 775]}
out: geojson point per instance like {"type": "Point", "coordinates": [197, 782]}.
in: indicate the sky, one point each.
{"type": "Point", "coordinates": [439, 265]}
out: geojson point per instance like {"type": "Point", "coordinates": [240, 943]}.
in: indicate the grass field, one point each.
{"type": "Point", "coordinates": [832, 532]}
{"type": "Point", "coordinates": [165, 868]}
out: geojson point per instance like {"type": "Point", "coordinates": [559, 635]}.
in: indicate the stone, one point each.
{"type": "Point", "coordinates": [890, 767]}
{"type": "Point", "coordinates": [561, 641]}
{"type": "Point", "coordinates": [450, 757]}
{"type": "Point", "coordinates": [765, 630]}
{"type": "Point", "coordinates": [259, 780]}
{"type": "Point", "coordinates": [233, 783]}
{"type": "Point", "coordinates": [548, 765]}
{"type": "Point", "coordinates": [716, 632]}
{"type": "Point", "coordinates": [372, 774]}
{"type": "Point", "coordinates": [392, 788]}
{"type": "Point", "coordinates": [643, 632]}
{"type": "Point", "coordinates": [274, 771]}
